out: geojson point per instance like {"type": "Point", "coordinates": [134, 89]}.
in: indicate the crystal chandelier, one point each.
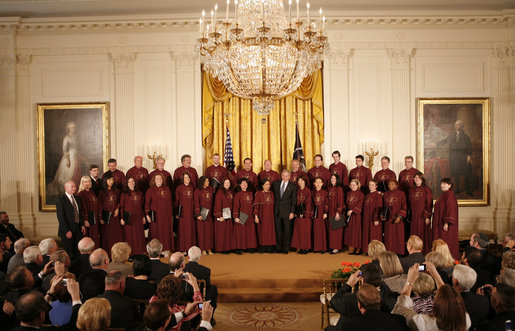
{"type": "Point", "coordinates": [261, 53]}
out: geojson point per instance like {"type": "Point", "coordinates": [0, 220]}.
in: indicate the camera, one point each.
{"type": "Point", "coordinates": [184, 277]}
{"type": "Point", "coordinates": [422, 267]}
{"type": "Point", "coordinates": [200, 305]}
{"type": "Point", "coordinates": [64, 282]}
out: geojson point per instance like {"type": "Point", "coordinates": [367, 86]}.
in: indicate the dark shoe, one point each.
{"type": "Point", "coordinates": [299, 251]}
{"type": "Point", "coordinates": [285, 252]}
{"type": "Point", "coordinates": [238, 252]}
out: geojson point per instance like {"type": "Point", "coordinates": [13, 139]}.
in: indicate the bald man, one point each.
{"type": "Point", "coordinates": [69, 215]}
{"type": "Point", "coordinates": [139, 174]}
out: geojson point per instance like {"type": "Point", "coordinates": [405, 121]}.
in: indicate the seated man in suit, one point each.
{"type": "Point", "coordinates": [124, 310]}
{"type": "Point", "coordinates": [33, 259]}
{"type": "Point", "coordinates": [503, 302]}
{"type": "Point", "coordinates": [414, 247]}
{"type": "Point", "coordinates": [92, 283]}
{"type": "Point", "coordinates": [81, 263]}
{"type": "Point", "coordinates": [158, 269]}
{"type": "Point", "coordinates": [9, 228]}
{"type": "Point", "coordinates": [5, 251]}
{"type": "Point", "coordinates": [19, 246]}
{"type": "Point", "coordinates": [201, 272]}
{"type": "Point", "coordinates": [491, 263]}
{"type": "Point", "coordinates": [478, 306]}
{"type": "Point", "coordinates": [47, 246]}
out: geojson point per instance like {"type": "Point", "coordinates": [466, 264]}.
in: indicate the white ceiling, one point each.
{"type": "Point", "coordinates": [191, 8]}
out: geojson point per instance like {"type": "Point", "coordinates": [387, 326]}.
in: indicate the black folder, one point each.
{"type": "Point", "coordinates": [179, 211]}
{"type": "Point", "coordinates": [127, 217]}
{"type": "Point", "coordinates": [215, 183]}
{"type": "Point", "coordinates": [203, 213]}
{"type": "Point", "coordinates": [106, 216]}
{"type": "Point", "coordinates": [408, 216]}
{"type": "Point", "coordinates": [384, 214]}
{"type": "Point", "coordinates": [152, 215]}
{"type": "Point", "coordinates": [300, 209]}
{"type": "Point", "coordinates": [92, 217]}
{"type": "Point", "coordinates": [315, 212]}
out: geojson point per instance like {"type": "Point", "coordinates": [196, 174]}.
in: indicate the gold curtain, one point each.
{"type": "Point", "coordinates": [275, 139]}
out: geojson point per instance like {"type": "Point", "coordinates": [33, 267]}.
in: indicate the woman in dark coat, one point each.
{"type": "Point", "coordinates": [131, 206]}
{"type": "Point", "coordinates": [158, 201]}
{"type": "Point", "coordinates": [224, 228]}
{"type": "Point", "coordinates": [445, 218]}
{"type": "Point", "coordinates": [203, 198]}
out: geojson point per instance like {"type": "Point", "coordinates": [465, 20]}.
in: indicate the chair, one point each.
{"type": "Point", "coordinates": [329, 288]}
{"type": "Point", "coordinates": [202, 286]}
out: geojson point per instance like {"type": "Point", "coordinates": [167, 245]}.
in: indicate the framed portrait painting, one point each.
{"type": "Point", "coordinates": [453, 140]}
{"type": "Point", "coordinates": [71, 137]}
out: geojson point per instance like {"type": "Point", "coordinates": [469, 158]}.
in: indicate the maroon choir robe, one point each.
{"type": "Point", "coordinates": [119, 178]}
{"type": "Point", "coordinates": [220, 173]}
{"type": "Point", "coordinates": [159, 200]}
{"type": "Point", "coordinates": [90, 203]}
{"type": "Point", "coordinates": [340, 169]}
{"type": "Point", "coordinates": [354, 202]}
{"type": "Point", "coordinates": [321, 172]}
{"type": "Point", "coordinates": [264, 209]}
{"type": "Point", "coordinates": [406, 179]}
{"type": "Point", "coordinates": [371, 210]}
{"type": "Point", "coordinates": [250, 176]}
{"type": "Point", "coordinates": [302, 225]}
{"type": "Point", "coordinates": [245, 235]}
{"type": "Point", "coordinates": [167, 177]}
{"type": "Point", "coordinates": [446, 211]}
{"type": "Point", "coordinates": [320, 205]}
{"type": "Point", "coordinates": [133, 203]}
{"type": "Point", "coordinates": [177, 175]}
{"type": "Point", "coordinates": [336, 204]}
{"type": "Point", "coordinates": [271, 175]}
{"type": "Point", "coordinates": [204, 199]}
{"type": "Point", "coordinates": [394, 233]}
{"type": "Point", "coordinates": [295, 175]}
{"type": "Point", "coordinates": [184, 197]}
{"type": "Point", "coordinates": [110, 233]}
{"type": "Point", "coordinates": [382, 177]}
{"type": "Point", "coordinates": [140, 176]}
{"type": "Point", "coordinates": [224, 239]}
{"type": "Point", "coordinates": [421, 204]}
{"type": "Point", "coordinates": [363, 175]}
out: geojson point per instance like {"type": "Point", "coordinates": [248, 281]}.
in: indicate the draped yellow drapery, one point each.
{"type": "Point", "coordinates": [274, 139]}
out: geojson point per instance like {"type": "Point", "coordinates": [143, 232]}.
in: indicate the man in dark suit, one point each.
{"type": "Point", "coordinates": [81, 264]}
{"type": "Point", "coordinates": [478, 306]}
{"type": "Point", "coordinates": [414, 247]}
{"type": "Point", "coordinates": [158, 269]}
{"type": "Point", "coordinates": [92, 283]}
{"type": "Point", "coordinates": [69, 215]}
{"type": "Point", "coordinates": [285, 197]}
{"type": "Point", "coordinates": [9, 228]}
{"type": "Point", "coordinates": [503, 302]}
{"type": "Point", "coordinates": [201, 272]}
{"type": "Point", "coordinates": [96, 182]}
{"type": "Point", "coordinates": [124, 310]}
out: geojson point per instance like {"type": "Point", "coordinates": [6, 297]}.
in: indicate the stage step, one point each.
{"type": "Point", "coordinates": [269, 294]}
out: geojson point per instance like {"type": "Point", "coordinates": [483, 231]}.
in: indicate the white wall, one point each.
{"type": "Point", "coordinates": [147, 70]}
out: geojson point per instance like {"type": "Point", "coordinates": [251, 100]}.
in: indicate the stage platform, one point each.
{"type": "Point", "coordinates": [273, 277]}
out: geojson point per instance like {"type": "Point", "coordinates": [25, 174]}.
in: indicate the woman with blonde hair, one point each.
{"type": "Point", "coordinates": [120, 253]}
{"type": "Point", "coordinates": [439, 262]}
{"type": "Point", "coordinates": [91, 208]}
{"type": "Point", "coordinates": [392, 271]}
{"type": "Point", "coordinates": [94, 315]}
{"type": "Point", "coordinates": [441, 247]}
{"type": "Point", "coordinates": [424, 288]}
{"type": "Point", "coordinates": [375, 248]}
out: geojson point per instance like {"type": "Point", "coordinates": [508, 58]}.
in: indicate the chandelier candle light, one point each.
{"type": "Point", "coordinates": [261, 53]}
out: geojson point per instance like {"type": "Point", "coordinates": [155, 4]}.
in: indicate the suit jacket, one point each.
{"type": "Point", "coordinates": [159, 270]}
{"type": "Point", "coordinates": [478, 306]}
{"type": "Point", "coordinates": [286, 204]}
{"type": "Point", "coordinates": [16, 260]}
{"type": "Point", "coordinates": [68, 326]}
{"type": "Point", "coordinates": [11, 231]}
{"type": "Point", "coordinates": [199, 271]}
{"type": "Point", "coordinates": [124, 310]}
{"type": "Point", "coordinates": [66, 216]}
{"type": "Point", "coordinates": [411, 259]}
{"type": "Point", "coordinates": [498, 322]}
{"type": "Point", "coordinates": [96, 186]}
{"type": "Point", "coordinates": [92, 283]}
{"type": "Point", "coordinates": [374, 320]}
{"type": "Point", "coordinates": [80, 265]}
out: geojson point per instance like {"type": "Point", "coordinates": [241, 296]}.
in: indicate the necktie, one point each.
{"type": "Point", "coordinates": [283, 188]}
{"type": "Point", "coordinates": [76, 209]}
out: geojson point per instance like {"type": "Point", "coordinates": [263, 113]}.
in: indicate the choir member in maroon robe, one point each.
{"type": "Point", "coordinates": [268, 173]}
{"type": "Point", "coordinates": [354, 202]}
{"type": "Point", "coordinates": [96, 182]}
{"type": "Point", "coordinates": [119, 177]}
{"type": "Point", "coordinates": [361, 173]}
{"type": "Point", "coordinates": [264, 217]}
{"type": "Point", "coordinates": [184, 194]}
{"type": "Point", "coordinates": [303, 213]}
{"type": "Point", "coordinates": [296, 172]}
{"type": "Point", "coordinates": [248, 174]}
{"type": "Point", "coordinates": [406, 175]}
{"type": "Point", "coordinates": [384, 175]}
{"type": "Point", "coordinates": [131, 205]}
{"type": "Point", "coordinates": [160, 169]}
{"type": "Point", "coordinates": [203, 198]}
{"type": "Point", "coordinates": [185, 168]}
{"type": "Point", "coordinates": [140, 175]}
{"type": "Point", "coordinates": [372, 227]}
{"type": "Point", "coordinates": [320, 206]}
{"type": "Point", "coordinates": [158, 199]}
{"type": "Point", "coordinates": [90, 206]}
{"type": "Point", "coordinates": [336, 205]}
{"type": "Point", "coordinates": [224, 227]}
{"type": "Point", "coordinates": [216, 172]}
{"type": "Point", "coordinates": [445, 217]}
{"type": "Point", "coordinates": [110, 228]}
{"type": "Point", "coordinates": [395, 200]}
{"type": "Point", "coordinates": [340, 169]}
{"type": "Point", "coordinates": [245, 234]}
{"type": "Point", "coordinates": [420, 201]}
{"type": "Point", "coordinates": [319, 171]}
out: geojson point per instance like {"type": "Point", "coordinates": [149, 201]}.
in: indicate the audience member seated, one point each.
{"type": "Point", "coordinates": [60, 299]}
{"type": "Point", "coordinates": [81, 264]}
{"type": "Point", "coordinates": [139, 286]}
{"type": "Point", "coordinates": [5, 251]}
{"type": "Point", "coordinates": [371, 317]}
{"type": "Point", "coordinates": [120, 253]}
{"type": "Point", "coordinates": [414, 247]}
{"type": "Point", "coordinates": [124, 310]}
{"type": "Point", "coordinates": [491, 263]}
{"type": "Point", "coordinates": [201, 272]}
{"type": "Point", "coordinates": [477, 306]}
{"type": "Point", "coordinates": [503, 302]}
{"type": "Point", "coordinates": [157, 315]}
{"type": "Point", "coordinates": [94, 315]}
{"type": "Point", "coordinates": [9, 228]}
{"type": "Point", "coordinates": [447, 264]}
{"type": "Point", "coordinates": [448, 309]}
{"type": "Point", "coordinates": [33, 259]}
{"type": "Point", "coordinates": [393, 275]}
{"type": "Point", "coordinates": [375, 248]}
{"type": "Point", "coordinates": [57, 256]}
{"type": "Point", "coordinates": [92, 283]}
{"type": "Point", "coordinates": [424, 290]}
{"type": "Point", "coordinates": [21, 281]}
{"type": "Point", "coordinates": [47, 247]}
{"type": "Point", "coordinates": [508, 242]}
{"type": "Point", "coordinates": [473, 258]}
{"type": "Point", "coordinates": [177, 264]}
{"type": "Point", "coordinates": [17, 258]}
{"type": "Point", "coordinates": [159, 269]}
{"type": "Point", "coordinates": [439, 262]}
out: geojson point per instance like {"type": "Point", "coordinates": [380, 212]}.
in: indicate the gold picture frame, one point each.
{"type": "Point", "coordinates": [71, 137]}
{"type": "Point", "coordinates": [453, 140]}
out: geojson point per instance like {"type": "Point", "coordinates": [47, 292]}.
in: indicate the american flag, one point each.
{"type": "Point", "coordinates": [298, 153]}
{"type": "Point", "coordinates": [228, 157]}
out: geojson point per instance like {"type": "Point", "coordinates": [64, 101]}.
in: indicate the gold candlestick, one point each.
{"type": "Point", "coordinates": [371, 155]}
{"type": "Point", "coordinates": [154, 157]}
